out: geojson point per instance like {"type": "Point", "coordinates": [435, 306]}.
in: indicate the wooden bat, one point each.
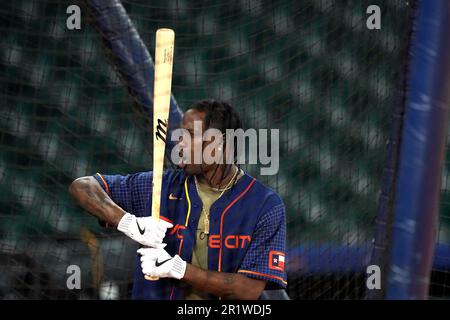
{"type": "Point", "coordinates": [165, 41]}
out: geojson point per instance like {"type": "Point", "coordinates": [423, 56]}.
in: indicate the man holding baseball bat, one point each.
{"type": "Point", "coordinates": [221, 233]}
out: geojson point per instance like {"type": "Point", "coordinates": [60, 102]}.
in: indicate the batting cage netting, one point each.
{"type": "Point", "coordinates": [312, 69]}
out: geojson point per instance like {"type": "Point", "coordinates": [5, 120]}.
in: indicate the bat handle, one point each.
{"type": "Point", "coordinates": [151, 278]}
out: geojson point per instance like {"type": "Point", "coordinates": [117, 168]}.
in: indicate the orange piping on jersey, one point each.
{"type": "Point", "coordinates": [223, 215]}
{"type": "Point", "coordinates": [165, 219]}
{"type": "Point", "coordinates": [181, 246]}
{"type": "Point", "coordinates": [262, 275]}
{"type": "Point", "coordinates": [104, 182]}
{"type": "Point", "coordinates": [186, 224]}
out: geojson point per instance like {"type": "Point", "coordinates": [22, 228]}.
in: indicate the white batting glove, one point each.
{"type": "Point", "coordinates": [146, 230]}
{"type": "Point", "coordinates": [158, 263]}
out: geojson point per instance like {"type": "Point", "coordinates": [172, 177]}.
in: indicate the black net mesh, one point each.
{"type": "Point", "coordinates": [311, 69]}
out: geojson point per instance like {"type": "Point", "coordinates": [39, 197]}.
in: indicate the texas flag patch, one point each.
{"type": "Point", "coordinates": [276, 260]}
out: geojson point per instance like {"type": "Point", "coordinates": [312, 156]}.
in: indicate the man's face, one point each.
{"type": "Point", "coordinates": [196, 141]}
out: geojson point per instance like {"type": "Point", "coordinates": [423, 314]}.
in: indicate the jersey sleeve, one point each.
{"type": "Point", "coordinates": [130, 192]}
{"type": "Point", "coordinates": [266, 258]}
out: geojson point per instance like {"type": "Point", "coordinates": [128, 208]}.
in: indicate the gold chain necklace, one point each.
{"type": "Point", "coordinates": [206, 221]}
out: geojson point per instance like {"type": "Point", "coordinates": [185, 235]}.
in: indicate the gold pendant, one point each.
{"type": "Point", "coordinates": [206, 225]}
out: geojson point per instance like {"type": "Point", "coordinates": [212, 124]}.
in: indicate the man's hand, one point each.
{"type": "Point", "coordinates": [146, 230]}
{"type": "Point", "coordinates": [158, 263]}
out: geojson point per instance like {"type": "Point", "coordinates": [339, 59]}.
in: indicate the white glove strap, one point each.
{"type": "Point", "coordinates": [179, 267]}
{"type": "Point", "coordinates": [124, 223]}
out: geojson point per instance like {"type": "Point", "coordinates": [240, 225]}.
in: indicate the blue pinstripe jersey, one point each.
{"type": "Point", "coordinates": [247, 227]}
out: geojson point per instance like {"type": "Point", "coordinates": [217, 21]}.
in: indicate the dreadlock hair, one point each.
{"type": "Point", "coordinates": [220, 115]}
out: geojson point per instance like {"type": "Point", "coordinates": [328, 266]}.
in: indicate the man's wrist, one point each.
{"type": "Point", "coordinates": [119, 213]}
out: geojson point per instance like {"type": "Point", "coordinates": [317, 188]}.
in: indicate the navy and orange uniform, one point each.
{"type": "Point", "coordinates": [247, 228]}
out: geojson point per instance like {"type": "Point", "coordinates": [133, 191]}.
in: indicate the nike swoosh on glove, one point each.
{"type": "Point", "coordinates": [158, 263]}
{"type": "Point", "coordinates": [146, 230]}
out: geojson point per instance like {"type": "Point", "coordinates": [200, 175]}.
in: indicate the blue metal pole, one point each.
{"type": "Point", "coordinates": [422, 154]}
{"type": "Point", "coordinates": [131, 57]}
